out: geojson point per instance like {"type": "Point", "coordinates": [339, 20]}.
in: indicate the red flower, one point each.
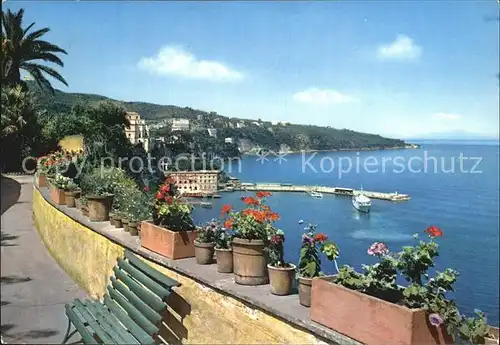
{"type": "Point", "coordinates": [273, 216]}
{"type": "Point", "coordinates": [249, 200]}
{"type": "Point", "coordinates": [434, 231]}
{"type": "Point", "coordinates": [276, 239]}
{"type": "Point", "coordinates": [146, 188]}
{"type": "Point", "coordinates": [169, 199]}
{"type": "Point", "coordinates": [261, 195]}
{"type": "Point", "coordinates": [321, 237]}
{"type": "Point", "coordinates": [259, 216]}
{"type": "Point", "coordinates": [165, 188]}
{"type": "Point", "coordinates": [228, 224]}
{"type": "Point", "coordinates": [159, 196]}
{"type": "Point", "coordinates": [225, 209]}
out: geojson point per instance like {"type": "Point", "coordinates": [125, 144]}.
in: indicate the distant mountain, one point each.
{"type": "Point", "coordinates": [256, 134]}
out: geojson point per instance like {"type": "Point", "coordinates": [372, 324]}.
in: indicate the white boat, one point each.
{"type": "Point", "coordinates": [315, 194]}
{"type": "Point", "coordinates": [361, 203]}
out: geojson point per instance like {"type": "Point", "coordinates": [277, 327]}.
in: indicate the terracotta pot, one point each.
{"type": "Point", "coordinates": [132, 228]}
{"type": "Point", "coordinates": [57, 195]}
{"type": "Point", "coordinates": [70, 197]}
{"type": "Point", "coordinates": [305, 285]}
{"type": "Point", "coordinates": [493, 336]}
{"type": "Point", "coordinates": [125, 224]}
{"type": "Point", "coordinates": [281, 279]}
{"type": "Point", "coordinates": [171, 244]}
{"type": "Point", "coordinates": [85, 210]}
{"type": "Point", "coordinates": [204, 252]}
{"type": "Point", "coordinates": [224, 259]}
{"type": "Point", "coordinates": [41, 180]}
{"type": "Point", "coordinates": [117, 220]}
{"type": "Point", "coordinates": [371, 320]}
{"type": "Point", "coordinates": [249, 262]}
{"type": "Point", "coordinates": [99, 207]}
{"type": "Point", "coordinates": [78, 204]}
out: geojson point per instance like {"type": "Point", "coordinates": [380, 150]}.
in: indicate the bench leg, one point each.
{"type": "Point", "coordinates": [68, 335]}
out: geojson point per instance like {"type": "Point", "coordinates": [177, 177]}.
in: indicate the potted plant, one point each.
{"type": "Point", "coordinates": [223, 250]}
{"type": "Point", "coordinates": [58, 185]}
{"type": "Point", "coordinates": [71, 193]}
{"type": "Point", "coordinates": [419, 313]}
{"type": "Point", "coordinates": [476, 330]}
{"type": "Point", "coordinates": [204, 245]}
{"type": "Point", "coordinates": [253, 227]}
{"type": "Point", "coordinates": [281, 274]}
{"type": "Point", "coordinates": [171, 233]}
{"type": "Point", "coordinates": [99, 186]}
{"type": "Point", "coordinates": [84, 205]}
{"type": "Point", "coordinates": [117, 219]}
{"type": "Point", "coordinates": [42, 167]}
{"type": "Point", "coordinates": [313, 245]}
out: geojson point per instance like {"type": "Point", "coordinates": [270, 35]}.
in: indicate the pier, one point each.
{"type": "Point", "coordinates": [286, 187]}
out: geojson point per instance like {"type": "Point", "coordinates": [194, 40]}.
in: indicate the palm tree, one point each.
{"type": "Point", "coordinates": [23, 51]}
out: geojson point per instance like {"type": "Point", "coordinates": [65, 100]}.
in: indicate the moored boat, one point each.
{"type": "Point", "coordinates": [361, 203]}
{"type": "Point", "coordinates": [316, 194]}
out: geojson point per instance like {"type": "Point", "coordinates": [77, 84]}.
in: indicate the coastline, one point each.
{"type": "Point", "coordinates": [409, 147]}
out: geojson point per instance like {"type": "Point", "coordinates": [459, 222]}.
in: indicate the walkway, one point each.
{"type": "Point", "coordinates": [34, 287]}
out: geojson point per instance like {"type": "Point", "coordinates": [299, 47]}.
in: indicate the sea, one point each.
{"type": "Point", "coordinates": [453, 185]}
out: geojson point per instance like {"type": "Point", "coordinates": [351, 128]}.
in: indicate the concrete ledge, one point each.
{"type": "Point", "coordinates": [209, 306]}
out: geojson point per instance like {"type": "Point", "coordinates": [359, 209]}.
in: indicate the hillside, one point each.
{"type": "Point", "coordinates": [259, 133]}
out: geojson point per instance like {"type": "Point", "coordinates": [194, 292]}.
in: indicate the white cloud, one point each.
{"type": "Point", "coordinates": [447, 116]}
{"type": "Point", "coordinates": [321, 96]}
{"type": "Point", "coordinates": [402, 48]}
{"type": "Point", "coordinates": [171, 60]}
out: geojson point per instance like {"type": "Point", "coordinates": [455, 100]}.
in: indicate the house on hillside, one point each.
{"type": "Point", "coordinates": [180, 125]}
{"type": "Point", "coordinates": [240, 125]}
{"type": "Point", "coordinates": [137, 132]}
{"type": "Point", "coordinates": [229, 140]}
{"type": "Point", "coordinates": [212, 132]}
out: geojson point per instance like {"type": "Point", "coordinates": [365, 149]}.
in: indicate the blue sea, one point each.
{"type": "Point", "coordinates": [453, 185]}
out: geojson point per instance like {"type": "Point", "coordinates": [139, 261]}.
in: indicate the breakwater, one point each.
{"type": "Point", "coordinates": [282, 187]}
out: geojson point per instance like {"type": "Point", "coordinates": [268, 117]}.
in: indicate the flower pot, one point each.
{"type": "Point", "coordinates": [171, 244]}
{"type": "Point", "coordinates": [99, 207]}
{"type": "Point", "coordinates": [125, 224]}
{"type": "Point", "coordinates": [281, 279]}
{"type": "Point", "coordinates": [492, 337]}
{"type": "Point", "coordinates": [41, 180]}
{"type": "Point", "coordinates": [117, 220]}
{"type": "Point", "coordinates": [305, 285]}
{"type": "Point", "coordinates": [249, 262]}
{"type": "Point", "coordinates": [70, 197]}
{"type": "Point", "coordinates": [85, 210]}
{"type": "Point", "coordinates": [371, 320]}
{"type": "Point", "coordinates": [57, 195]}
{"type": "Point", "coordinates": [78, 203]}
{"type": "Point", "coordinates": [224, 259]}
{"type": "Point", "coordinates": [132, 228]}
{"type": "Point", "coordinates": [204, 252]}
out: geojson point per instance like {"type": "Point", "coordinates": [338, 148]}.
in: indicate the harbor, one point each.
{"type": "Point", "coordinates": [284, 187]}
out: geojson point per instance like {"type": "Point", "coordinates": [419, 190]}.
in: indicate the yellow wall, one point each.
{"type": "Point", "coordinates": [202, 315]}
{"type": "Point", "coordinates": [72, 142]}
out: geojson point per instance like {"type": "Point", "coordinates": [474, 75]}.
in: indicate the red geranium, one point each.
{"type": "Point", "coordinates": [169, 199]}
{"type": "Point", "coordinates": [321, 237]}
{"type": "Point", "coordinates": [146, 188]}
{"type": "Point", "coordinates": [434, 231]}
{"type": "Point", "coordinates": [273, 216]}
{"type": "Point", "coordinates": [225, 209]}
{"type": "Point", "coordinates": [165, 188]}
{"type": "Point", "coordinates": [228, 224]}
{"type": "Point", "coordinates": [159, 196]}
{"type": "Point", "coordinates": [250, 200]}
{"type": "Point", "coordinates": [261, 195]}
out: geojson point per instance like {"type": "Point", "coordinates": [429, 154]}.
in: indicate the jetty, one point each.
{"type": "Point", "coordinates": [288, 187]}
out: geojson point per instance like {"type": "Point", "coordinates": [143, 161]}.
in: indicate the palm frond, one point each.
{"type": "Point", "coordinates": [39, 78]}
{"type": "Point", "coordinates": [48, 57]}
{"type": "Point", "coordinates": [47, 47]}
{"type": "Point", "coordinates": [28, 28]}
{"type": "Point", "coordinates": [36, 34]}
{"type": "Point", "coordinates": [50, 71]}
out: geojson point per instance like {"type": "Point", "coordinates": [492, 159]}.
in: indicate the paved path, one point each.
{"type": "Point", "coordinates": [34, 288]}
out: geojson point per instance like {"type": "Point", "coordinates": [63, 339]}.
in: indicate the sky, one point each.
{"type": "Point", "coordinates": [402, 69]}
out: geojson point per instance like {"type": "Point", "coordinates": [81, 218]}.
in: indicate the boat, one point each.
{"type": "Point", "coordinates": [361, 203]}
{"type": "Point", "coordinates": [316, 194]}
{"type": "Point", "coordinates": [205, 204]}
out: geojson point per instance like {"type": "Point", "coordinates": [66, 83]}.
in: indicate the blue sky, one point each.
{"type": "Point", "coordinates": [401, 69]}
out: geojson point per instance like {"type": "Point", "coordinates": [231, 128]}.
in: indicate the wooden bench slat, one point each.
{"type": "Point", "coordinates": [133, 312]}
{"type": "Point", "coordinates": [80, 327]}
{"type": "Point", "coordinates": [138, 332]}
{"type": "Point", "coordinates": [91, 321]}
{"type": "Point", "coordinates": [112, 331]}
{"type": "Point", "coordinates": [105, 315]}
{"type": "Point", "coordinates": [145, 309]}
{"type": "Point", "coordinates": [159, 290]}
{"type": "Point", "coordinates": [150, 271]}
{"type": "Point", "coordinates": [150, 298]}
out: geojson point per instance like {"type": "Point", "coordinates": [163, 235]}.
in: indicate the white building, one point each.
{"type": "Point", "coordinates": [256, 123]}
{"type": "Point", "coordinates": [180, 125]}
{"type": "Point", "coordinates": [229, 140]}
{"type": "Point", "coordinates": [212, 132]}
{"type": "Point", "coordinates": [240, 125]}
{"type": "Point", "coordinates": [137, 132]}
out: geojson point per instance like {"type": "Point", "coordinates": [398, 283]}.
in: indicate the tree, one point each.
{"type": "Point", "coordinates": [23, 50]}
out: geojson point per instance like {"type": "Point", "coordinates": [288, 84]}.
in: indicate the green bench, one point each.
{"type": "Point", "coordinates": [131, 310]}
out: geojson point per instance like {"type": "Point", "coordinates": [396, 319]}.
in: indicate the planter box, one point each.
{"type": "Point", "coordinates": [371, 320]}
{"type": "Point", "coordinates": [57, 195]}
{"type": "Point", "coordinates": [41, 181]}
{"type": "Point", "coordinates": [171, 244]}
{"type": "Point", "coordinates": [493, 336]}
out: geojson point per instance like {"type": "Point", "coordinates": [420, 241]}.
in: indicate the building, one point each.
{"type": "Point", "coordinates": [240, 125]}
{"type": "Point", "coordinates": [212, 132]}
{"type": "Point", "coordinates": [180, 125]}
{"type": "Point", "coordinates": [137, 132]}
{"type": "Point", "coordinates": [196, 183]}
{"type": "Point", "coordinates": [229, 140]}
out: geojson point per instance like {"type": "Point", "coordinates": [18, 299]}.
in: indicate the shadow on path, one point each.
{"type": "Point", "coordinates": [11, 190]}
